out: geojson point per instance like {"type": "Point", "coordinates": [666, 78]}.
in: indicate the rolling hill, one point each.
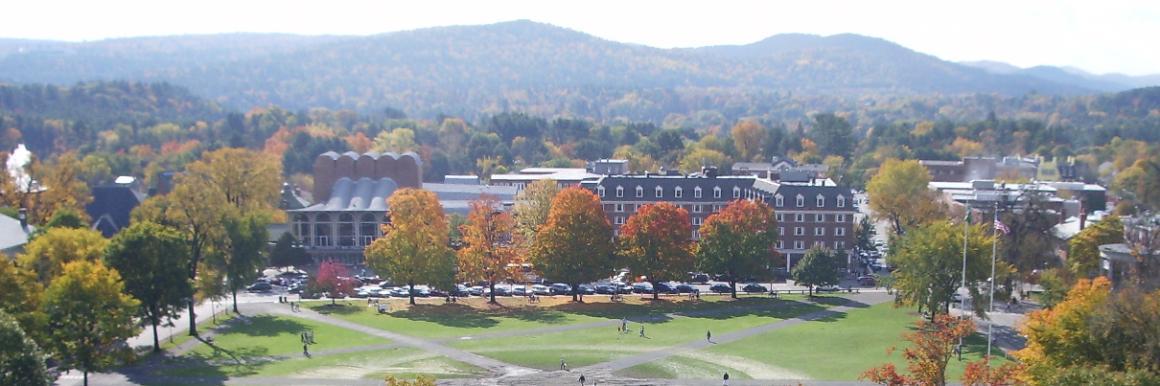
{"type": "Point", "coordinates": [466, 70]}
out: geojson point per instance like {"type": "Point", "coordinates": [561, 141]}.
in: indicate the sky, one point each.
{"type": "Point", "coordinates": [1099, 36]}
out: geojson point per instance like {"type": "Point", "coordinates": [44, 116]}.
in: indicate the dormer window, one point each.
{"type": "Point", "coordinates": [678, 192]}
{"type": "Point", "coordinates": [639, 192]}
{"type": "Point", "coordinates": [778, 201]}
{"type": "Point", "coordinates": [600, 190]}
{"type": "Point", "coordinates": [736, 192]}
{"type": "Point", "coordinates": [716, 192]}
{"type": "Point", "coordinates": [821, 201]}
{"type": "Point", "coordinates": [841, 201]}
{"type": "Point", "coordinates": [660, 192]}
{"type": "Point", "coordinates": [801, 201]}
{"type": "Point", "coordinates": [619, 191]}
{"type": "Point", "coordinates": [697, 192]}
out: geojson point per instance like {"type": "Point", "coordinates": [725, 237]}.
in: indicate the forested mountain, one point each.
{"type": "Point", "coordinates": [526, 66]}
{"type": "Point", "coordinates": [1071, 75]}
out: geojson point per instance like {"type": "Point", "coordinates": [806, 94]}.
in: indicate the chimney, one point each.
{"type": "Point", "coordinates": [23, 218]}
{"type": "Point", "coordinates": [1082, 220]}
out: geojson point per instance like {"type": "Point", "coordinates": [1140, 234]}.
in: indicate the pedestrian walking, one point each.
{"type": "Point", "coordinates": [563, 365]}
{"type": "Point", "coordinates": [708, 336]}
{"type": "Point", "coordinates": [581, 379]}
{"type": "Point", "coordinates": [725, 382]}
{"type": "Point", "coordinates": [305, 351]}
{"type": "Point", "coordinates": [642, 330]}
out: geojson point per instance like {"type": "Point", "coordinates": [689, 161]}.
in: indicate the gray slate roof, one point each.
{"type": "Point", "coordinates": [12, 236]}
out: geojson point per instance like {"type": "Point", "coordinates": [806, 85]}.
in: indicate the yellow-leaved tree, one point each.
{"type": "Point", "coordinates": [414, 248]}
{"type": "Point", "coordinates": [490, 252]}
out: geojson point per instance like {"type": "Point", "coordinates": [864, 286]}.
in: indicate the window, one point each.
{"type": "Point", "coordinates": [696, 235]}
{"type": "Point", "coordinates": [619, 220]}
{"type": "Point", "coordinates": [619, 207]}
{"type": "Point", "coordinates": [821, 201]}
{"type": "Point", "coordinates": [798, 244]}
{"type": "Point", "coordinates": [716, 192]}
{"type": "Point", "coordinates": [819, 231]}
{"type": "Point", "coordinates": [799, 231]}
{"type": "Point", "coordinates": [736, 192]}
{"type": "Point", "coordinates": [799, 217]}
{"type": "Point", "coordinates": [697, 192]}
{"type": "Point", "coordinates": [778, 201]}
{"type": "Point", "coordinates": [697, 208]}
{"type": "Point", "coordinates": [839, 231]}
{"type": "Point", "coordinates": [839, 245]}
{"type": "Point", "coordinates": [660, 192]}
{"type": "Point", "coordinates": [819, 218]}
{"type": "Point", "coordinates": [779, 216]}
{"type": "Point", "coordinates": [781, 231]}
{"type": "Point", "coordinates": [679, 192]}
{"type": "Point", "coordinates": [839, 218]}
{"type": "Point", "coordinates": [780, 244]}
{"type": "Point", "coordinates": [639, 192]}
{"type": "Point", "coordinates": [716, 208]}
{"type": "Point", "coordinates": [820, 244]}
{"type": "Point", "coordinates": [619, 191]}
{"type": "Point", "coordinates": [697, 221]}
{"type": "Point", "coordinates": [801, 201]}
{"type": "Point", "coordinates": [600, 191]}
{"type": "Point", "coordinates": [841, 201]}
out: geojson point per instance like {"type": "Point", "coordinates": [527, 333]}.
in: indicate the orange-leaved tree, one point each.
{"type": "Point", "coordinates": [575, 244]}
{"type": "Point", "coordinates": [930, 349]}
{"type": "Point", "coordinates": [656, 242]}
{"type": "Point", "coordinates": [738, 240]}
{"type": "Point", "coordinates": [489, 251]}
{"type": "Point", "coordinates": [414, 248]}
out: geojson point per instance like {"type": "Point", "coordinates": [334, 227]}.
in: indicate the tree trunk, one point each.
{"type": "Point", "coordinates": [656, 293]}
{"type": "Point", "coordinates": [234, 292]}
{"type": "Point", "coordinates": [732, 287]}
{"type": "Point", "coordinates": [491, 285]}
{"type": "Point", "coordinates": [192, 320]}
{"type": "Point", "coordinates": [576, 294]}
{"type": "Point", "coordinates": [156, 346]}
{"type": "Point", "coordinates": [86, 377]}
{"type": "Point", "coordinates": [411, 293]}
{"type": "Point", "coordinates": [811, 289]}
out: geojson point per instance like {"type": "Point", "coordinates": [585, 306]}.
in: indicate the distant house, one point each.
{"type": "Point", "coordinates": [1141, 243]}
{"type": "Point", "coordinates": [113, 203]}
{"type": "Point", "coordinates": [982, 168]}
{"type": "Point", "coordinates": [564, 177]}
{"type": "Point", "coordinates": [13, 235]}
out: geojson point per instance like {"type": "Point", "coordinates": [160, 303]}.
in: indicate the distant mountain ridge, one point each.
{"type": "Point", "coordinates": [514, 65]}
{"type": "Point", "coordinates": [1071, 75]}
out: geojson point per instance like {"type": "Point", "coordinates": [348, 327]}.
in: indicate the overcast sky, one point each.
{"type": "Point", "coordinates": [1095, 35]}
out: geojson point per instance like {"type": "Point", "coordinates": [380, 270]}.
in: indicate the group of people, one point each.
{"type": "Point", "coordinates": [533, 298]}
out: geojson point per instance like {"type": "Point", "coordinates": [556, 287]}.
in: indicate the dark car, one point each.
{"type": "Point", "coordinates": [586, 289]}
{"type": "Point", "coordinates": [503, 291]}
{"type": "Point", "coordinates": [460, 290]}
{"type": "Point", "coordinates": [260, 286]}
{"type": "Point", "coordinates": [699, 278]}
{"type": "Point", "coordinates": [438, 293]}
{"type": "Point", "coordinates": [721, 288]}
{"type": "Point", "coordinates": [560, 289]}
{"type": "Point", "coordinates": [624, 289]}
{"type": "Point", "coordinates": [540, 289]}
{"type": "Point", "coordinates": [754, 287]}
{"type": "Point", "coordinates": [666, 288]}
{"type": "Point", "coordinates": [866, 280]}
{"type": "Point", "coordinates": [642, 288]}
{"type": "Point", "coordinates": [421, 292]}
{"type": "Point", "coordinates": [475, 291]}
{"type": "Point", "coordinates": [606, 289]}
{"type": "Point", "coordinates": [827, 288]}
{"type": "Point", "coordinates": [685, 288]}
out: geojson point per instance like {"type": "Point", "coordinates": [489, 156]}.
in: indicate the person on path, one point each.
{"type": "Point", "coordinates": [563, 365]}
{"type": "Point", "coordinates": [305, 351]}
{"type": "Point", "coordinates": [725, 382]}
{"type": "Point", "coordinates": [708, 336]}
{"type": "Point", "coordinates": [642, 330]}
{"type": "Point", "coordinates": [581, 379]}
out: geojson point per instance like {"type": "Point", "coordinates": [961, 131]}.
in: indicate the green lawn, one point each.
{"type": "Point", "coordinates": [593, 345]}
{"type": "Point", "coordinates": [401, 362]}
{"type": "Point", "coordinates": [681, 368]}
{"type": "Point", "coordinates": [838, 348]}
{"type": "Point", "coordinates": [265, 335]}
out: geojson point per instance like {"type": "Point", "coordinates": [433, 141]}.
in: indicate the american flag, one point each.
{"type": "Point", "coordinates": [1001, 227]}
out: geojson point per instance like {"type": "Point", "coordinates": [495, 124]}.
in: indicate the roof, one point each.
{"type": "Point", "coordinates": [12, 235]}
{"type": "Point", "coordinates": [669, 184]}
{"type": "Point", "coordinates": [810, 192]}
{"type": "Point", "coordinates": [940, 163]}
{"type": "Point", "coordinates": [360, 195]}
{"type": "Point", "coordinates": [447, 192]}
{"type": "Point", "coordinates": [752, 166]}
{"type": "Point", "coordinates": [555, 174]}
{"type": "Point", "coordinates": [375, 155]}
{"type": "Point", "coordinates": [111, 207]}
{"type": "Point", "coordinates": [1070, 227]}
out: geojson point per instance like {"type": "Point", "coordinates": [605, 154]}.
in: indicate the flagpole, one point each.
{"type": "Point", "coordinates": [994, 251]}
{"type": "Point", "coordinates": [963, 298]}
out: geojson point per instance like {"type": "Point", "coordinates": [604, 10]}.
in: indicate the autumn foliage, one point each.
{"type": "Point", "coordinates": [739, 240]}
{"type": "Point", "coordinates": [656, 242]}
{"type": "Point", "coordinates": [414, 247]}
{"type": "Point", "coordinates": [575, 244]}
{"type": "Point", "coordinates": [334, 279]}
{"type": "Point", "coordinates": [931, 347]}
{"type": "Point", "coordinates": [489, 253]}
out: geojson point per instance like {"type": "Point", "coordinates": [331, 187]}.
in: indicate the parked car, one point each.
{"type": "Point", "coordinates": [260, 286]}
{"type": "Point", "coordinates": [866, 280]}
{"type": "Point", "coordinates": [540, 289]}
{"type": "Point", "coordinates": [503, 290]}
{"type": "Point", "coordinates": [699, 278]}
{"type": "Point", "coordinates": [684, 288]}
{"type": "Point", "coordinates": [754, 287]}
{"type": "Point", "coordinates": [721, 288]}
{"type": "Point", "coordinates": [606, 289]}
{"type": "Point", "coordinates": [421, 292]}
{"type": "Point", "coordinates": [520, 291]}
{"type": "Point", "coordinates": [642, 288]}
{"type": "Point", "coordinates": [586, 289]}
{"type": "Point", "coordinates": [624, 289]}
{"type": "Point", "coordinates": [665, 287]}
{"type": "Point", "coordinates": [560, 289]}
{"type": "Point", "coordinates": [309, 295]}
{"type": "Point", "coordinates": [827, 288]}
{"type": "Point", "coordinates": [460, 290]}
{"type": "Point", "coordinates": [475, 290]}
{"type": "Point", "coordinates": [438, 293]}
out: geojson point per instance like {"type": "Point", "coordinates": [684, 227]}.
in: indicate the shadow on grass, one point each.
{"type": "Point", "coordinates": [451, 315]}
{"type": "Point", "coordinates": [183, 370]}
{"type": "Point", "coordinates": [337, 309]}
{"type": "Point", "coordinates": [263, 325]}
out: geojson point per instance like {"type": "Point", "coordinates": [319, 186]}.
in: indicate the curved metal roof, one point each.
{"type": "Point", "coordinates": [361, 195]}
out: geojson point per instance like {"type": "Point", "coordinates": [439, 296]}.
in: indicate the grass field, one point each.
{"type": "Point", "coordinates": [372, 364]}
{"type": "Point", "coordinates": [265, 335]}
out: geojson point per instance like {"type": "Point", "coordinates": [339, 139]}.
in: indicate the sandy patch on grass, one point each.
{"type": "Point", "coordinates": [359, 368]}
{"type": "Point", "coordinates": [754, 369]}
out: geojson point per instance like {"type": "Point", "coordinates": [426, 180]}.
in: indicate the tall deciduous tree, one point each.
{"type": "Point", "coordinates": [21, 361]}
{"type": "Point", "coordinates": [747, 136]}
{"type": "Point", "coordinates": [833, 134]}
{"type": "Point", "coordinates": [819, 267]}
{"type": "Point", "coordinates": [334, 279]}
{"type": "Point", "coordinates": [20, 296]}
{"type": "Point", "coordinates": [929, 261]}
{"type": "Point", "coordinates": [1083, 255]}
{"type": "Point", "coordinates": [245, 257]}
{"type": "Point", "coordinates": [575, 244]}
{"type": "Point", "coordinates": [88, 315]}
{"type": "Point", "coordinates": [152, 260]}
{"type": "Point", "coordinates": [414, 247]}
{"type": "Point", "coordinates": [489, 252]}
{"type": "Point", "coordinates": [931, 346]}
{"type": "Point", "coordinates": [656, 242]}
{"type": "Point", "coordinates": [532, 207]}
{"type": "Point", "coordinates": [287, 252]}
{"type": "Point", "coordinates": [899, 194]}
{"type": "Point", "coordinates": [738, 240]}
{"type": "Point", "coordinates": [47, 253]}
{"type": "Point", "coordinates": [63, 188]}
